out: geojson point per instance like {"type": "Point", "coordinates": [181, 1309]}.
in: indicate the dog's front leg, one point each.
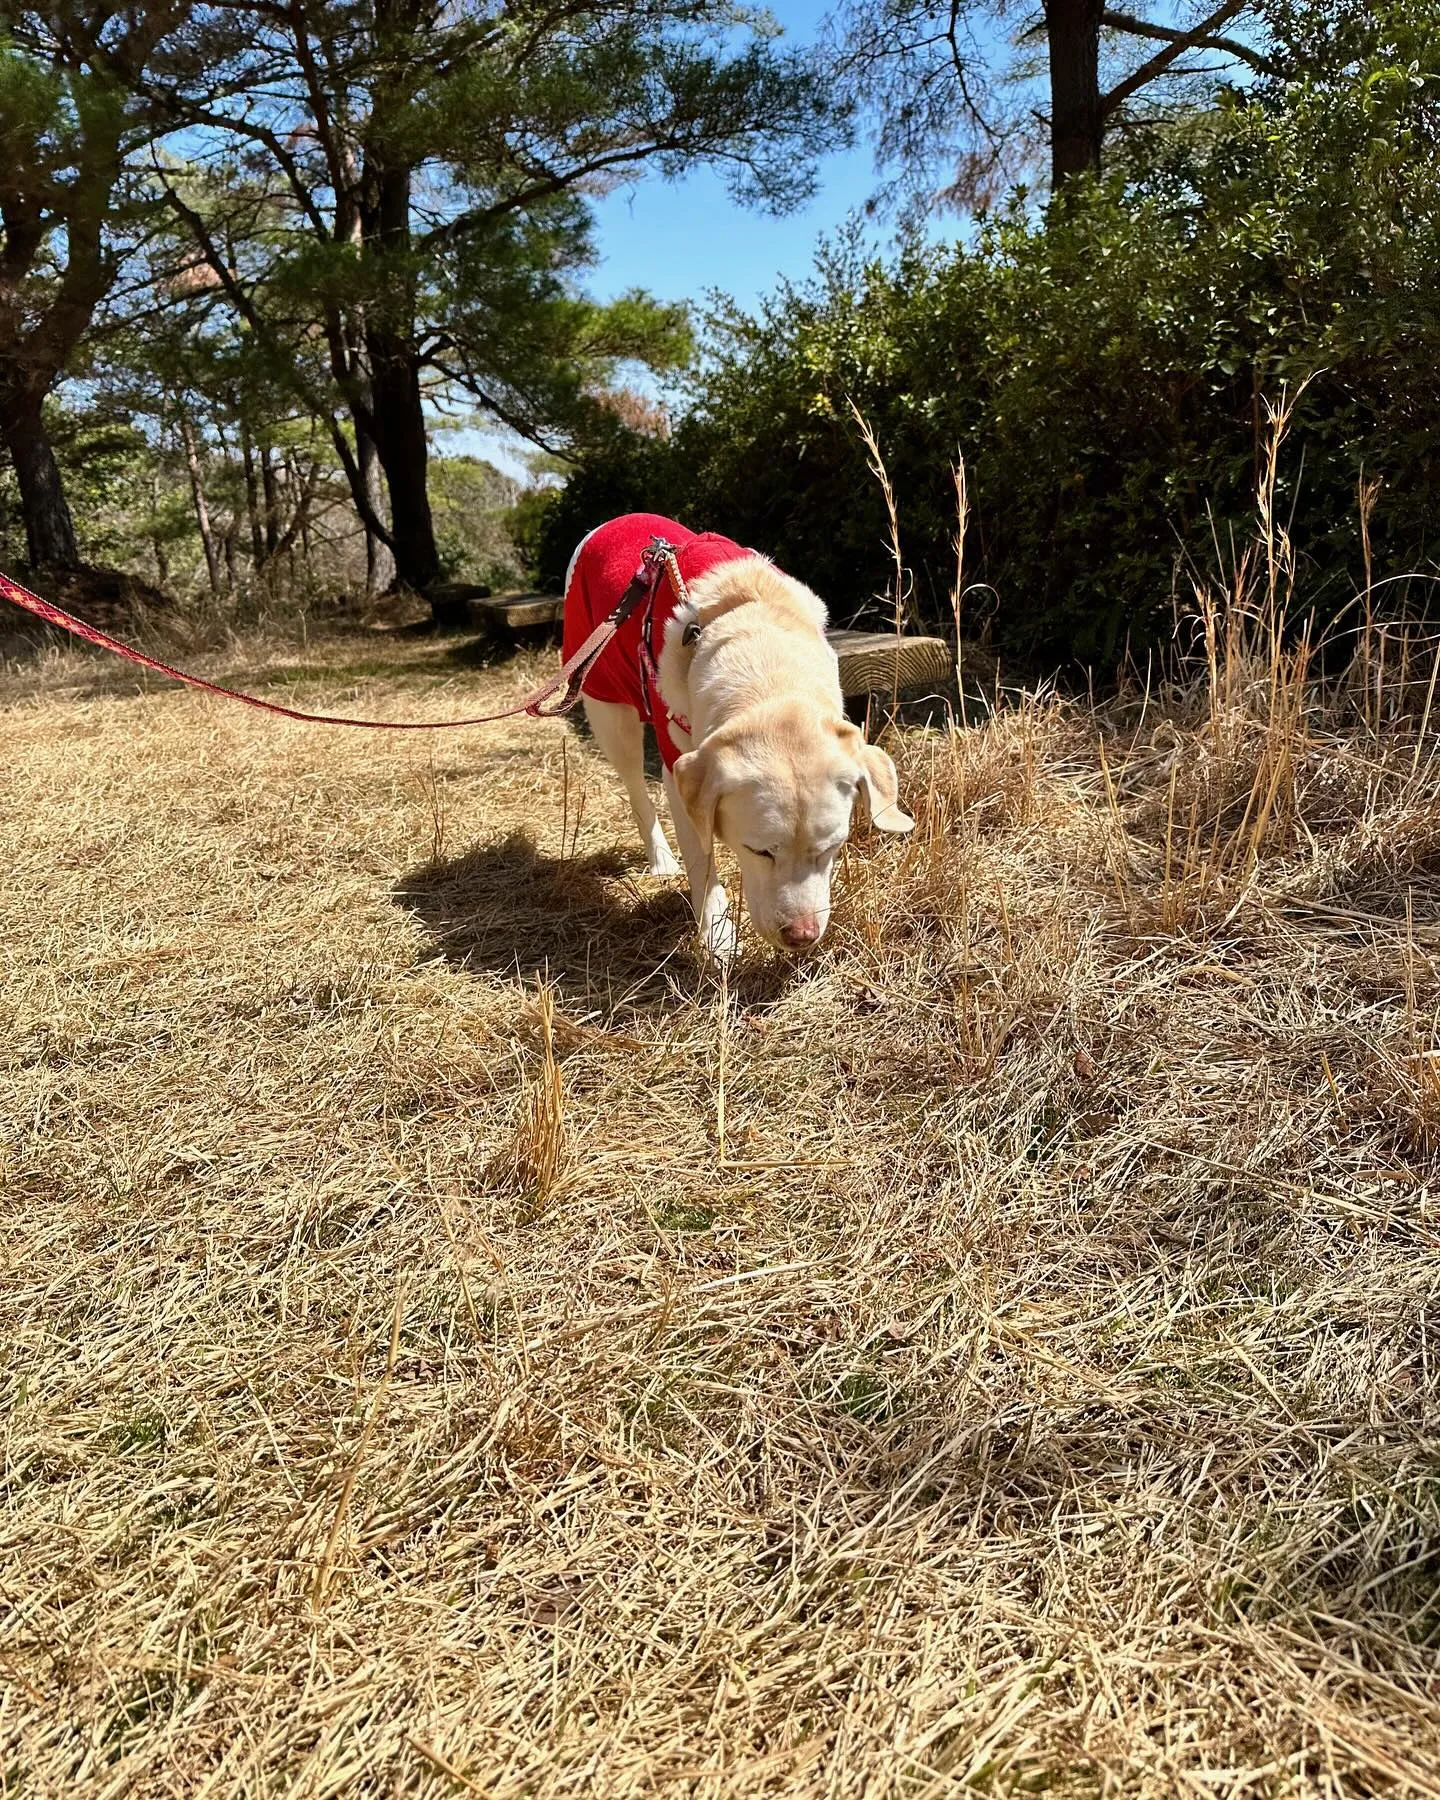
{"type": "Point", "coordinates": [621, 736]}
{"type": "Point", "coordinates": [718, 936]}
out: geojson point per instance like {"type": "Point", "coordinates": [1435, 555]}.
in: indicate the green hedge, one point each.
{"type": "Point", "coordinates": [1103, 367]}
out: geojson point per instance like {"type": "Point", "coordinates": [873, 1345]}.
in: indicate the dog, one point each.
{"type": "Point", "coordinates": [743, 692]}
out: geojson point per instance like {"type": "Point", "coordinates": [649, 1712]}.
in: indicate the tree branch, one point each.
{"type": "Point", "coordinates": [248, 311]}
{"type": "Point", "coordinates": [1168, 34]}
{"type": "Point", "coordinates": [517, 422]}
{"type": "Point", "coordinates": [1201, 36]}
{"type": "Point", "coordinates": [958, 63]}
{"type": "Point", "coordinates": [320, 107]}
{"type": "Point", "coordinates": [551, 182]}
{"type": "Point", "coordinates": [302, 511]}
{"type": "Point", "coordinates": [188, 113]}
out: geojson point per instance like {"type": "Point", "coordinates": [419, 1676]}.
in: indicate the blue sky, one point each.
{"type": "Point", "coordinates": [680, 239]}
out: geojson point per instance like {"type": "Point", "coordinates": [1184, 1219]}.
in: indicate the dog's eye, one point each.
{"type": "Point", "coordinates": [769, 855]}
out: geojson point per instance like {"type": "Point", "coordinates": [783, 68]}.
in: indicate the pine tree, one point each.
{"type": "Point", "coordinates": [436, 165]}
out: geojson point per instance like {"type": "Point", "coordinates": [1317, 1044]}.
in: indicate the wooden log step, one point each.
{"type": "Point", "coordinates": [878, 662]}
{"type": "Point", "coordinates": [518, 611]}
{"type": "Point", "coordinates": [871, 662]}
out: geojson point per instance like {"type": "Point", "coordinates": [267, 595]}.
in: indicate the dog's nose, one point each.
{"type": "Point", "coordinates": [800, 932]}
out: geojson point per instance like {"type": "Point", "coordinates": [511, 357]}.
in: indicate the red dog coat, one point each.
{"type": "Point", "coordinates": [604, 566]}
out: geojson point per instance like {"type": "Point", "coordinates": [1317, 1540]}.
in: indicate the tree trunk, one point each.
{"type": "Point", "coordinates": [157, 543]}
{"type": "Point", "coordinates": [391, 346]}
{"type": "Point", "coordinates": [350, 364]}
{"type": "Point", "coordinates": [252, 503]}
{"type": "Point", "coordinates": [402, 445]}
{"type": "Point", "coordinates": [202, 509]}
{"type": "Point", "coordinates": [304, 513]}
{"type": "Point", "coordinates": [49, 529]}
{"type": "Point", "coordinates": [42, 321]}
{"type": "Point", "coordinates": [379, 563]}
{"type": "Point", "coordinates": [272, 502]}
{"type": "Point", "coordinates": [1076, 122]}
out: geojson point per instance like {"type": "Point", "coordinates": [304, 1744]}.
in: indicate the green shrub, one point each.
{"type": "Point", "coordinates": [471, 502]}
{"type": "Point", "coordinates": [623, 471]}
{"type": "Point", "coordinates": [1103, 366]}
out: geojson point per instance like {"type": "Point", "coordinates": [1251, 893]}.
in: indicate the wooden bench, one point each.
{"type": "Point", "coordinates": [878, 662]}
{"type": "Point", "coordinates": [871, 662]}
{"type": "Point", "coordinates": [518, 611]}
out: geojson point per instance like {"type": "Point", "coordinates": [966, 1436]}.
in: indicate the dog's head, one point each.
{"type": "Point", "coordinates": [777, 785]}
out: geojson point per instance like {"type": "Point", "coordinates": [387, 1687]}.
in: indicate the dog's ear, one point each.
{"type": "Point", "coordinates": [878, 778]}
{"type": "Point", "coordinates": [697, 778]}
{"type": "Point", "coordinates": [882, 790]}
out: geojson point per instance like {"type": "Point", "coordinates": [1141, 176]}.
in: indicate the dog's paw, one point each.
{"type": "Point", "coordinates": [720, 940]}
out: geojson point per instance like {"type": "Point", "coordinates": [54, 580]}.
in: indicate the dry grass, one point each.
{"type": "Point", "coordinates": [404, 1396]}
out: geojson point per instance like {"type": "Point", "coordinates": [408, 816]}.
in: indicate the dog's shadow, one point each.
{"type": "Point", "coordinates": [582, 921]}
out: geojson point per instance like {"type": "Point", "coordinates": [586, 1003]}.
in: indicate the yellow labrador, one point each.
{"type": "Point", "coordinates": [768, 764]}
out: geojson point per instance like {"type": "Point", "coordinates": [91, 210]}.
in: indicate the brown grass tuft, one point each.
{"type": "Point", "coordinates": [532, 1164]}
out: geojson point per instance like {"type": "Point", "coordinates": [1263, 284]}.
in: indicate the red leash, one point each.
{"type": "Point", "coordinates": [566, 682]}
